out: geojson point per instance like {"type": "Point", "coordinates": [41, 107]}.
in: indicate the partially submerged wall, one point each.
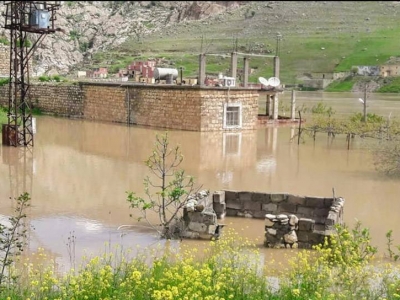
{"type": "Point", "coordinates": [199, 219]}
{"type": "Point", "coordinates": [290, 220]}
{"type": "Point", "coordinates": [166, 106]}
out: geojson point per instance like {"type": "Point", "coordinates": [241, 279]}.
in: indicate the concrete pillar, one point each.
{"type": "Point", "coordinates": [202, 69]}
{"type": "Point", "coordinates": [245, 71]}
{"type": "Point", "coordinates": [293, 107]}
{"type": "Point", "coordinates": [233, 64]}
{"type": "Point", "coordinates": [276, 66]}
{"type": "Point", "coordinates": [275, 105]}
{"type": "Point", "coordinates": [268, 106]}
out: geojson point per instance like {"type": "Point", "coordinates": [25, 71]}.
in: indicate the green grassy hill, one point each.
{"type": "Point", "coordinates": [316, 37]}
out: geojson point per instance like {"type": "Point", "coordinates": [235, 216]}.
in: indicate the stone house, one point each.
{"type": "Point", "coordinates": [389, 70]}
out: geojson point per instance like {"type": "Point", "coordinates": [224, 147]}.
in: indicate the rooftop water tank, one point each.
{"type": "Point", "coordinates": [165, 73]}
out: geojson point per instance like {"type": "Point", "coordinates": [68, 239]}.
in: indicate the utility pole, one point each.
{"type": "Point", "coordinates": [278, 38]}
{"type": "Point", "coordinates": [23, 17]}
{"type": "Point", "coordinates": [365, 102]}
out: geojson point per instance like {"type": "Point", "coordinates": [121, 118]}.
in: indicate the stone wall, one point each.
{"type": "Point", "coordinates": [62, 100]}
{"type": "Point", "coordinates": [105, 103]}
{"type": "Point", "coordinates": [167, 107]}
{"type": "Point", "coordinates": [290, 220]}
{"type": "Point", "coordinates": [173, 107]}
{"type": "Point", "coordinates": [212, 107]}
{"type": "Point", "coordinates": [4, 60]}
{"type": "Point", "coordinates": [199, 219]}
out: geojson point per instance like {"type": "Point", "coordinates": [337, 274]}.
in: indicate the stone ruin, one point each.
{"type": "Point", "coordinates": [291, 221]}
{"type": "Point", "coordinates": [199, 218]}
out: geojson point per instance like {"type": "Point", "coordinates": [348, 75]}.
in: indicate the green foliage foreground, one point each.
{"type": "Point", "coordinates": [343, 267]}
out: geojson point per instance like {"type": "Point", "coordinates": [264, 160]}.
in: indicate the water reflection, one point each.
{"type": "Point", "coordinates": [79, 171]}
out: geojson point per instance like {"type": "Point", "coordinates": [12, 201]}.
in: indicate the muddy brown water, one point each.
{"type": "Point", "coordinates": [79, 171]}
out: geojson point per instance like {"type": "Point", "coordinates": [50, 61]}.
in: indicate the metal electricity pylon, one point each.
{"type": "Point", "coordinates": [35, 18]}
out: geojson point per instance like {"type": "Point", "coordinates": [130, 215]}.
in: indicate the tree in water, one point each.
{"type": "Point", "coordinates": [167, 193]}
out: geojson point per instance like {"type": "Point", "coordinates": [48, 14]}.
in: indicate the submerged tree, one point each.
{"type": "Point", "coordinates": [168, 193]}
{"type": "Point", "coordinates": [385, 132]}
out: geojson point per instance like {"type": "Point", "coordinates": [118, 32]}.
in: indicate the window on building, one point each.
{"type": "Point", "coordinates": [233, 115]}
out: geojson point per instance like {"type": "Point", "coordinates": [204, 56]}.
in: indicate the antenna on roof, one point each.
{"type": "Point", "coordinates": [274, 81]}
{"type": "Point", "coordinates": [263, 81]}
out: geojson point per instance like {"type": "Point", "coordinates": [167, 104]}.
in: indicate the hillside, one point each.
{"type": "Point", "coordinates": [92, 26]}
{"type": "Point", "coordinates": [317, 36]}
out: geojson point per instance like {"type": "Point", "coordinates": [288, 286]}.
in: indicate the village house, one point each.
{"type": "Point", "coordinates": [389, 70]}
{"type": "Point", "coordinates": [97, 73]}
{"type": "Point", "coordinates": [139, 71]}
{"type": "Point", "coordinates": [81, 74]}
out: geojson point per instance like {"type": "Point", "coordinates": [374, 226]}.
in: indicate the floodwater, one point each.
{"type": "Point", "coordinates": [79, 171]}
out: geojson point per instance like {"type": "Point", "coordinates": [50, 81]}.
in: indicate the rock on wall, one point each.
{"type": "Point", "coordinates": [290, 220]}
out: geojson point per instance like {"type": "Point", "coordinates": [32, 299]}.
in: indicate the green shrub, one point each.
{"type": "Point", "coordinates": [4, 41]}
{"type": "Point", "coordinates": [392, 87]}
{"type": "Point", "coordinates": [57, 78]}
{"type": "Point", "coordinates": [44, 78]}
{"type": "Point", "coordinates": [322, 109]}
{"type": "Point", "coordinates": [4, 81]}
{"type": "Point", "coordinates": [371, 118]}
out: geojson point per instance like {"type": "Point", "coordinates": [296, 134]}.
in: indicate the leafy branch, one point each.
{"type": "Point", "coordinates": [168, 193]}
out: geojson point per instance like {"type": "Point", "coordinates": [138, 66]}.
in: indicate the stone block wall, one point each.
{"type": "Point", "coordinates": [290, 220]}
{"type": "Point", "coordinates": [212, 107]}
{"type": "Point", "coordinates": [165, 106]}
{"type": "Point", "coordinates": [199, 219]}
{"type": "Point", "coordinates": [105, 103]}
{"type": "Point", "coordinates": [60, 99]}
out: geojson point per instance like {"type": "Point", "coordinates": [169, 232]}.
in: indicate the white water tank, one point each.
{"type": "Point", "coordinates": [165, 73]}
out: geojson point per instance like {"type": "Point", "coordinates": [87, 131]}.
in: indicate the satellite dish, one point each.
{"type": "Point", "coordinates": [274, 81]}
{"type": "Point", "coordinates": [263, 81]}
{"type": "Point", "coordinates": [361, 100]}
